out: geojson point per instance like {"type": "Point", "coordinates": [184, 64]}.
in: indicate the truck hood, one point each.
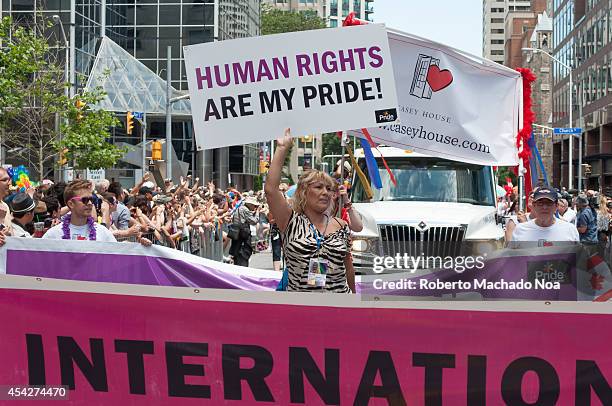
{"type": "Point", "coordinates": [480, 220]}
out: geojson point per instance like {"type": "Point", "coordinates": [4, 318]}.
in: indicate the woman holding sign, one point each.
{"type": "Point", "coordinates": [315, 244]}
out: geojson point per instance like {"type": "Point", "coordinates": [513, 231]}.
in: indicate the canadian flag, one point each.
{"type": "Point", "coordinates": [601, 278]}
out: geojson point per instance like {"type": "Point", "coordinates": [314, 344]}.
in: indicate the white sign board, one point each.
{"type": "Point", "coordinates": [452, 105]}
{"type": "Point", "coordinates": [68, 175]}
{"type": "Point", "coordinates": [95, 174]}
{"type": "Point", "coordinates": [251, 89]}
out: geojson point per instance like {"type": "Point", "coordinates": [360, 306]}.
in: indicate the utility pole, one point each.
{"type": "Point", "coordinates": [168, 114]}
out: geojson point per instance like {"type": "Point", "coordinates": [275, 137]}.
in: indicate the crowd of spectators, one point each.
{"type": "Point", "coordinates": [588, 211]}
{"type": "Point", "coordinates": [174, 215]}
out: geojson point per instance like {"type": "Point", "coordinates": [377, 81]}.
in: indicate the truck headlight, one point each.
{"type": "Point", "coordinates": [487, 246]}
{"type": "Point", "coordinates": [363, 245]}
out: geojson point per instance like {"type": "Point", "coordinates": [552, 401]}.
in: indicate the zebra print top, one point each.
{"type": "Point", "coordinates": [300, 245]}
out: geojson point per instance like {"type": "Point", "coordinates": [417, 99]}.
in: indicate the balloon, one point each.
{"type": "Point", "coordinates": [351, 20]}
{"type": "Point", "coordinates": [21, 178]}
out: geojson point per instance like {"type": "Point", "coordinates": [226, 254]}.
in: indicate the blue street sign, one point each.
{"type": "Point", "coordinates": [575, 131]}
{"type": "Point", "coordinates": [140, 115]}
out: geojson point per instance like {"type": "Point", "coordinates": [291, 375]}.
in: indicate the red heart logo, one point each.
{"type": "Point", "coordinates": [438, 79]}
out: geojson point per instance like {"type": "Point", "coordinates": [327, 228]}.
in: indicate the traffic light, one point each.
{"type": "Point", "coordinates": [62, 160]}
{"type": "Point", "coordinates": [156, 151]}
{"type": "Point", "coordinates": [129, 122]}
{"type": "Point", "coordinates": [264, 166]}
{"type": "Point", "coordinates": [80, 105]}
{"type": "Point", "coordinates": [586, 168]}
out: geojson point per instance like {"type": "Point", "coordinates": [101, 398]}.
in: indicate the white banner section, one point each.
{"type": "Point", "coordinates": [451, 104]}
{"type": "Point", "coordinates": [251, 89]}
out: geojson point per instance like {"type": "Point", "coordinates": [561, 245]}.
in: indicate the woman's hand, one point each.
{"type": "Point", "coordinates": [286, 141]}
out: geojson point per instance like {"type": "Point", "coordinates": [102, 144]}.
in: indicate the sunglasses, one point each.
{"type": "Point", "coordinates": [84, 199]}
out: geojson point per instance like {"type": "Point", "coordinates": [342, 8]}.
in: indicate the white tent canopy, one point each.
{"type": "Point", "coordinates": [129, 84]}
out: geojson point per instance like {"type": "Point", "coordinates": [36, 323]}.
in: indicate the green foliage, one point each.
{"type": "Point", "coordinates": [331, 144]}
{"type": "Point", "coordinates": [258, 183]}
{"type": "Point", "coordinates": [20, 57]}
{"type": "Point", "coordinates": [34, 104]}
{"type": "Point", "coordinates": [274, 21]}
{"type": "Point", "coordinates": [85, 133]}
{"type": "Point", "coordinates": [504, 172]}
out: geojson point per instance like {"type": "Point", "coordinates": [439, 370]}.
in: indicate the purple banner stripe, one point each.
{"type": "Point", "coordinates": [133, 269]}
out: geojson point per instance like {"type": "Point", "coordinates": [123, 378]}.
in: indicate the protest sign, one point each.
{"type": "Point", "coordinates": [452, 105]}
{"type": "Point", "coordinates": [252, 89]}
{"type": "Point", "coordinates": [106, 345]}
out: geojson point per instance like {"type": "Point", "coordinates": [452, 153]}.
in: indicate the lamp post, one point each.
{"type": "Point", "coordinates": [570, 182]}
{"type": "Point", "coordinates": [168, 114]}
{"type": "Point", "coordinates": [58, 21]}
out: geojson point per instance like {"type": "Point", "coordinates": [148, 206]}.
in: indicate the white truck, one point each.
{"type": "Point", "coordinates": [436, 209]}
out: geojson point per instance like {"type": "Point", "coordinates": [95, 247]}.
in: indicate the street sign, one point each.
{"type": "Point", "coordinates": [97, 174]}
{"type": "Point", "coordinates": [139, 115]}
{"type": "Point", "coordinates": [575, 130]}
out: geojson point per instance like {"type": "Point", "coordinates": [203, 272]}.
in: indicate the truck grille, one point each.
{"type": "Point", "coordinates": [435, 241]}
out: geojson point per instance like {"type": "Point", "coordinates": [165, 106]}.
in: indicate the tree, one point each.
{"type": "Point", "coordinates": [331, 144]}
{"type": "Point", "coordinates": [18, 61]}
{"type": "Point", "coordinates": [35, 109]}
{"type": "Point", "coordinates": [274, 21]}
{"type": "Point", "coordinates": [85, 131]}
{"type": "Point", "coordinates": [504, 172]}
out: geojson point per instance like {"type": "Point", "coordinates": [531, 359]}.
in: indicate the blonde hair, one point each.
{"type": "Point", "coordinates": [74, 187]}
{"type": "Point", "coordinates": [308, 178]}
{"type": "Point", "coordinates": [603, 208]}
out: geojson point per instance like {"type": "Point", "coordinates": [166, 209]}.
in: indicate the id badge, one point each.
{"type": "Point", "coordinates": [317, 272]}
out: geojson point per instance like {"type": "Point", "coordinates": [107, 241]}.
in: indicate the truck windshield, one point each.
{"type": "Point", "coordinates": [430, 180]}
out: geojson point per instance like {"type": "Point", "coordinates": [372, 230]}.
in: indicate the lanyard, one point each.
{"type": "Point", "coordinates": [317, 234]}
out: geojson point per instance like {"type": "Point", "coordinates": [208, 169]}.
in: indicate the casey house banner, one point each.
{"type": "Point", "coordinates": [251, 89]}
{"type": "Point", "coordinates": [451, 104]}
{"type": "Point", "coordinates": [113, 344]}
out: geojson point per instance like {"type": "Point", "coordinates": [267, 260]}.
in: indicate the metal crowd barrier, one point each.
{"type": "Point", "coordinates": [210, 243]}
{"type": "Point", "coordinates": [203, 242]}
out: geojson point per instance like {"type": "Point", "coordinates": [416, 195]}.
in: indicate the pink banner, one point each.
{"type": "Point", "coordinates": [133, 350]}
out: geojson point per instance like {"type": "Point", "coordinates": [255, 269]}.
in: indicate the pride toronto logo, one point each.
{"type": "Point", "coordinates": [428, 78]}
{"type": "Point", "coordinates": [386, 116]}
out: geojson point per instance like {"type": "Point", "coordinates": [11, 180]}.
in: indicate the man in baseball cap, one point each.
{"type": "Point", "coordinates": [545, 228]}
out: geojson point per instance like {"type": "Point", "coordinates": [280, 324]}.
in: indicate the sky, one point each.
{"type": "Point", "coordinates": [457, 23]}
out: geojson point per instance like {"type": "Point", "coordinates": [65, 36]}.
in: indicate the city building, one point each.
{"type": "Point", "coordinates": [581, 39]}
{"type": "Point", "coordinates": [518, 28]}
{"type": "Point", "coordinates": [337, 10]}
{"type": "Point", "coordinates": [316, 6]}
{"type": "Point", "coordinates": [494, 14]}
{"type": "Point", "coordinates": [540, 65]}
{"type": "Point", "coordinates": [334, 11]}
{"type": "Point", "coordinates": [145, 29]}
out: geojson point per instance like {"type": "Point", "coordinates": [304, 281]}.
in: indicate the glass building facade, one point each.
{"type": "Point", "coordinates": [581, 38]}
{"type": "Point", "coordinates": [145, 28]}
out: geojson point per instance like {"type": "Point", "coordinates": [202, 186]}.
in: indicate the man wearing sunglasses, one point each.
{"type": "Point", "coordinates": [79, 223]}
